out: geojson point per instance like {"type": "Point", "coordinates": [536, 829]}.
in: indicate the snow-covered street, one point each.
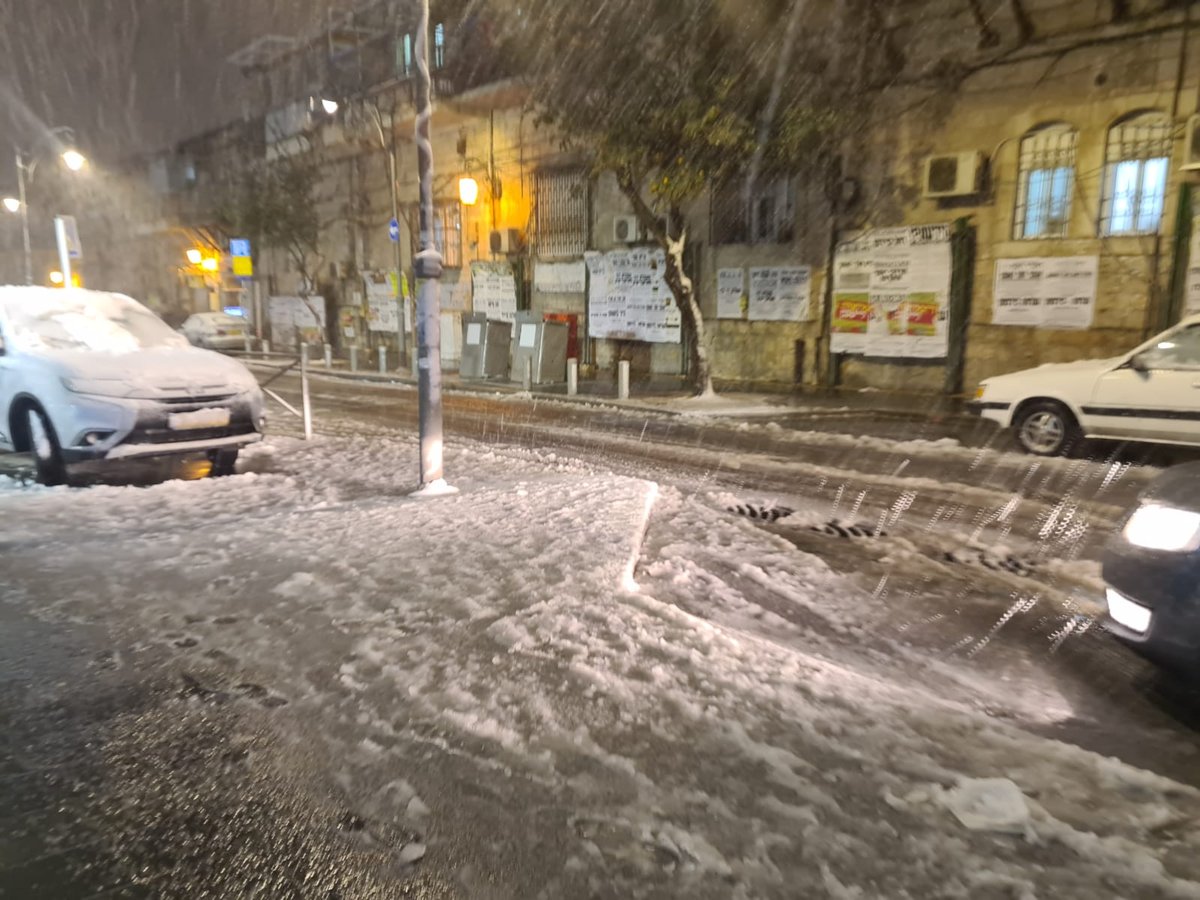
{"type": "Point", "coordinates": [617, 663]}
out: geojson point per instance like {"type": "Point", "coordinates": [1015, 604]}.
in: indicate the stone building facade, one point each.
{"type": "Point", "coordinates": [1076, 124]}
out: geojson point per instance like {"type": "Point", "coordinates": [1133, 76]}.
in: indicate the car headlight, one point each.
{"type": "Point", "coordinates": [1125, 612]}
{"type": "Point", "coordinates": [97, 387]}
{"type": "Point", "coordinates": [1166, 528]}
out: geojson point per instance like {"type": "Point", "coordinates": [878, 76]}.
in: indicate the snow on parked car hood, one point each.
{"type": "Point", "coordinates": [112, 345]}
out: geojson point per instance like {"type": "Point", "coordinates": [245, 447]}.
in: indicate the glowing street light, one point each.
{"type": "Point", "coordinates": [468, 190]}
{"type": "Point", "coordinates": [12, 204]}
{"type": "Point", "coordinates": [74, 160]}
{"type": "Point", "coordinates": [210, 264]}
{"type": "Point", "coordinates": [330, 106]}
{"type": "Point", "coordinates": [56, 277]}
{"type": "Point", "coordinates": [194, 256]}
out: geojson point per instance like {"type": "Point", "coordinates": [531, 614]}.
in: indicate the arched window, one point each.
{"type": "Point", "coordinates": [1045, 181]}
{"type": "Point", "coordinates": [1136, 162]}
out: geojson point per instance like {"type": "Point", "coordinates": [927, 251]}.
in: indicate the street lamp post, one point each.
{"type": "Point", "coordinates": [26, 166]}
{"type": "Point", "coordinates": [428, 269]}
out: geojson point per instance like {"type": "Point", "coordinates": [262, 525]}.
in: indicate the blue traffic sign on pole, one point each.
{"type": "Point", "coordinates": [394, 230]}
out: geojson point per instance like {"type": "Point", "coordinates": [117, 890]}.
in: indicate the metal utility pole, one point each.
{"type": "Point", "coordinates": [24, 216]}
{"type": "Point", "coordinates": [428, 268]}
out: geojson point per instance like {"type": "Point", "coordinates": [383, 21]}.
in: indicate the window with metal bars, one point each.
{"type": "Point", "coordinates": [1136, 162]}
{"type": "Point", "coordinates": [1045, 181]}
{"type": "Point", "coordinates": [561, 212]}
{"type": "Point", "coordinates": [447, 231]}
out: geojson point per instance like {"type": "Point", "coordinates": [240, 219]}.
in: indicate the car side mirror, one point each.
{"type": "Point", "coordinates": [1138, 364]}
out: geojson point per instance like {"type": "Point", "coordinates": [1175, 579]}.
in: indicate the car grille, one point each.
{"type": "Point", "coordinates": [167, 436]}
{"type": "Point", "coordinates": [210, 398]}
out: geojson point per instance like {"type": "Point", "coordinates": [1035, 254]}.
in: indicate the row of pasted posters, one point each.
{"type": "Point", "coordinates": [891, 292]}
{"type": "Point", "coordinates": [776, 294]}
{"type": "Point", "coordinates": [628, 299]}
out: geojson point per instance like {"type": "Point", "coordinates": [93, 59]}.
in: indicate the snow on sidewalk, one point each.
{"type": "Point", "coordinates": [483, 667]}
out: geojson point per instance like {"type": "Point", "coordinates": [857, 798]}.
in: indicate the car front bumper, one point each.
{"type": "Point", "coordinates": [997, 411]}
{"type": "Point", "coordinates": [1160, 590]}
{"type": "Point", "coordinates": [142, 428]}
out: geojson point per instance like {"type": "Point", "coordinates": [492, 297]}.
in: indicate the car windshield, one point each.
{"type": "Point", "coordinates": [102, 323]}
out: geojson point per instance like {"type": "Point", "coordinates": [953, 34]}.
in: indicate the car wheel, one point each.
{"type": "Point", "coordinates": [1046, 428]}
{"type": "Point", "coordinates": [224, 463]}
{"type": "Point", "coordinates": [43, 444]}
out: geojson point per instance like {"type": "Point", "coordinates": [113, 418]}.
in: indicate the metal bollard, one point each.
{"type": "Point", "coordinates": [623, 380]}
{"type": "Point", "coordinates": [527, 375]}
{"type": "Point", "coordinates": [305, 402]}
{"type": "Point", "coordinates": [572, 377]}
{"type": "Point", "coordinates": [382, 360]}
{"type": "Point", "coordinates": [353, 359]}
{"type": "Point", "coordinates": [266, 349]}
{"type": "Point", "coordinates": [328, 357]}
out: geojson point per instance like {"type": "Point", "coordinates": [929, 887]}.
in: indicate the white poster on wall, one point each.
{"type": "Point", "coordinates": [294, 319]}
{"type": "Point", "coordinates": [1046, 291]}
{"type": "Point", "coordinates": [494, 290]}
{"type": "Point", "coordinates": [559, 277]}
{"type": "Point", "coordinates": [731, 289]}
{"type": "Point", "coordinates": [628, 298]}
{"type": "Point", "coordinates": [779, 293]}
{"type": "Point", "coordinates": [383, 310]}
{"type": "Point", "coordinates": [891, 293]}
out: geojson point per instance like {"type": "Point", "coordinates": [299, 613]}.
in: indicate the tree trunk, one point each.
{"type": "Point", "coordinates": [682, 289]}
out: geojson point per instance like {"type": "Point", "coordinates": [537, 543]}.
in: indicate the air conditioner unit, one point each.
{"type": "Point", "coordinates": [953, 174]}
{"type": "Point", "coordinates": [1191, 148]}
{"type": "Point", "coordinates": [505, 240]}
{"type": "Point", "coordinates": [625, 229]}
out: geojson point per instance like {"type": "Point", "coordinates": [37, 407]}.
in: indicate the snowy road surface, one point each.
{"type": "Point", "coordinates": [582, 676]}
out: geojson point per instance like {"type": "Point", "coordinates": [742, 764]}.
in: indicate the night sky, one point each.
{"type": "Point", "coordinates": [132, 75]}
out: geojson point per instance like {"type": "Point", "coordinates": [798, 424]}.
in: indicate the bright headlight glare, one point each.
{"type": "Point", "coordinates": [1125, 612]}
{"type": "Point", "coordinates": [1164, 528]}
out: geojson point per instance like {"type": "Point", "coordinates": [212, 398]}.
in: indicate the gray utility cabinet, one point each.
{"type": "Point", "coordinates": [485, 347]}
{"type": "Point", "coordinates": [543, 344]}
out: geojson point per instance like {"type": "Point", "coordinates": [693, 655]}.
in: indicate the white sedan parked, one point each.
{"type": "Point", "coordinates": [92, 379]}
{"type": "Point", "coordinates": [1151, 394]}
{"type": "Point", "coordinates": [215, 331]}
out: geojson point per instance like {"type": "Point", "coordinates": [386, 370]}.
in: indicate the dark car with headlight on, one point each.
{"type": "Point", "coordinates": [1152, 571]}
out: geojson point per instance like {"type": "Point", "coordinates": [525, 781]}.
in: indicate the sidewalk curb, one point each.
{"type": "Point", "coordinates": [633, 404]}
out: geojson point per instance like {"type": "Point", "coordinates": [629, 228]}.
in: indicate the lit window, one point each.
{"type": "Point", "coordinates": [1136, 162]}
{"type": "Point", "coordinates": [1045, 182]}
{"type": "Point", "coordinates": [439, 46]}
{"type": "Point", "coordinates": [404, 55]}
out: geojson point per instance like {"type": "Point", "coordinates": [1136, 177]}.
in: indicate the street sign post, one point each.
{"type": "Point", "coordinates": [394, 231]}
{"type": "Point", "coordinates": [243, 262]}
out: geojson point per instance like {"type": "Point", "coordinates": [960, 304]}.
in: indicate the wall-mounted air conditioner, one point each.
{"type": "Point", "coordinates": [625, 229]}
{"type": "Point", "coordinates": [505, 240]}
{"type": "Point", "coordinates": [953, 174]}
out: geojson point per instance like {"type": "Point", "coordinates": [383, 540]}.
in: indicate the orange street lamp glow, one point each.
{"type": "Point", "coordinates": [74, 160]}
{"type": "Point", "coordinates": [210, 264]}
{"type": "Point", "coordinates": [56, 277]}
{"type": "Point", "coordinates": [468, 190]}
{"type": "Point", "coordinates": [194, 256]}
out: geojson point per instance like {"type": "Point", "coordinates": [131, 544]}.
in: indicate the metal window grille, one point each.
{"type": "Point", "coordinates": [1136, 164]}
{"type": "Point", "coordinates": [447, 232]}
{"type": "Point", "coordinates": [1045, 182]}
{"type": "Point", "coordinates": [439, 46]}
{"type": "Point", "coordinates": [561, 219]}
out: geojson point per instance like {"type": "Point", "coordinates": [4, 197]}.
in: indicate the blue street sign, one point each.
{"type": "Point", "coordinates": [394, 230]}
{"type": "Point", "coordinates": [239, 247]}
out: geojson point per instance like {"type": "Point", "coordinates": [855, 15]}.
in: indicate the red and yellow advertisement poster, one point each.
{"type": "Point", "coordinates": [851, 313]}
{"type": "Point", "coordinates": [923, 310]}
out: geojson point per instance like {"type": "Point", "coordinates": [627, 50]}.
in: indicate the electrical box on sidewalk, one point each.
{"type": "Point", "coordinates": [485, 347]}
{"type": "Point", "coordinates": [543, 345]}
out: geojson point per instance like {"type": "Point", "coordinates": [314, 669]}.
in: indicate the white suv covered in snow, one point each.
{"type": "Point", "coordinates": [90, 379]}
{"type": "Point", "coordinates": [1149, 394]}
